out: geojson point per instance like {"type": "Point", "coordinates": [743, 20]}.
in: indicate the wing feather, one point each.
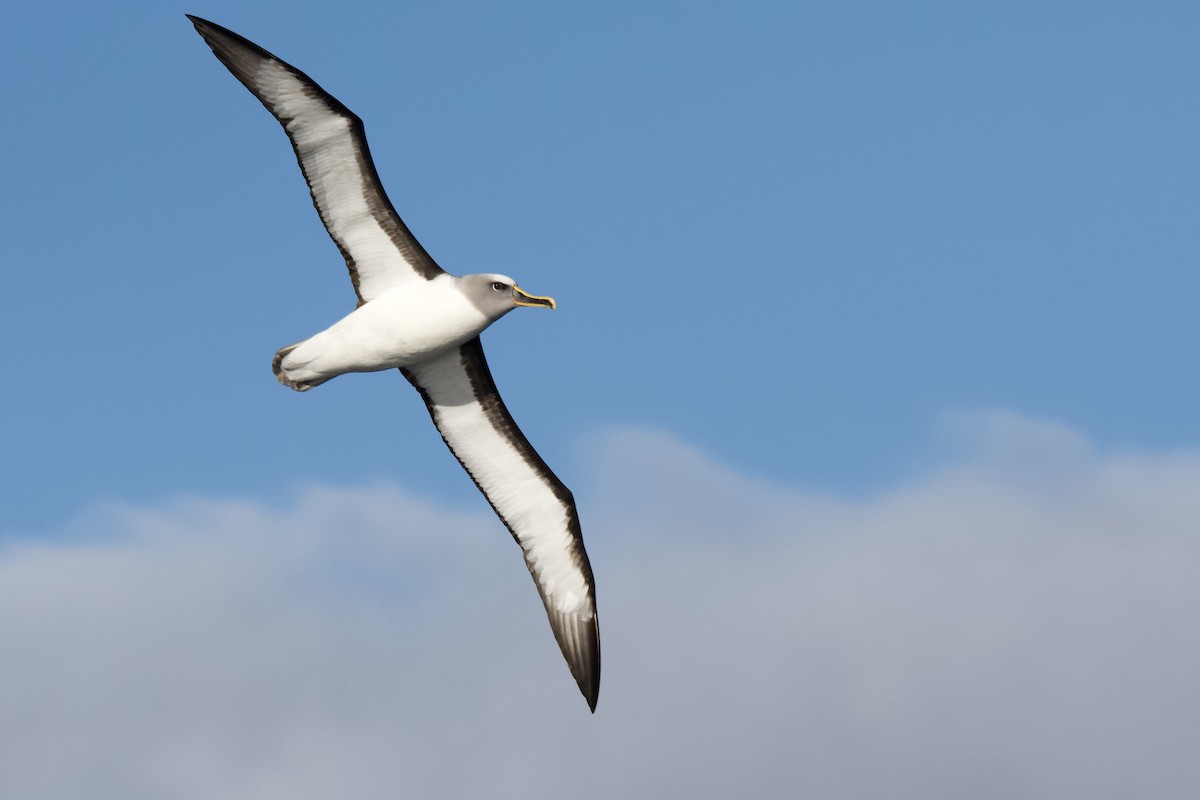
{"type": "Point", "coordinates": [331, 148]}
{"type": "Point", "coordinates": [530, 500]}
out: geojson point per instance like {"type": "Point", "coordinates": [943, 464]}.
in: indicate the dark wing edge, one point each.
{"type": "Point", "coordinates": [578, 636]}
{"type": "Point", "coordinates": [243, 57]}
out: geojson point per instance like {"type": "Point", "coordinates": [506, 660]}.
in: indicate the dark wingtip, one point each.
{"type": "Point", "coordinates": [199, 22]}
{"type": "Point", "coordinates": [592, 692]}
{"type": "Point", "coordinates": [590, 683]}
{"type": "Point", "coordinates": [589, 680]}
{"type": "Point", "coordinates": [579, 640]}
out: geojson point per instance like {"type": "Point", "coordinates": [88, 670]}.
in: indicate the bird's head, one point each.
{"type": "Point", "coordinates": [496, 295]}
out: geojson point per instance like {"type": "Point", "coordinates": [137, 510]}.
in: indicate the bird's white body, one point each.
{"type": "Point", "coordinates": [400, 328]}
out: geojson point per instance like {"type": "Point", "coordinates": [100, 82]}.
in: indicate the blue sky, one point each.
{"type": "Point", "coordinates": [841, 256]}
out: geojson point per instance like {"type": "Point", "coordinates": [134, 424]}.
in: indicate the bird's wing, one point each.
{"type": "Point", "coordinates": [331, 147]}
{"type": "Point", "coordinates": [532, 502]}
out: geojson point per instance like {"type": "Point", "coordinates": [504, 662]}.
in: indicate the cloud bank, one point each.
{"type": "Point", "coordinates": [1020, 621]}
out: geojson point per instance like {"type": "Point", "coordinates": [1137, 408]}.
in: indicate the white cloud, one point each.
{"type": "Point", "coordinates": [1019, 623]}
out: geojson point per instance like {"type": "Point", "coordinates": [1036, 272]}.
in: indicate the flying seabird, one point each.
{"type": "Point", "coordinates": [413, 315]}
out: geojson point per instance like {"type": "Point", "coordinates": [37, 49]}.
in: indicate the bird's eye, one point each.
{"type": "Point", "coordinates": [498, 287]}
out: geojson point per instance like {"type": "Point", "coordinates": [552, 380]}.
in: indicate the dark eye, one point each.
{"type": "Point", "coordinates": [498, 287]}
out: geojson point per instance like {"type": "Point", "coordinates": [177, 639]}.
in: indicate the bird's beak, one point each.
{"type": "Point", "coordinates": [523, 299]}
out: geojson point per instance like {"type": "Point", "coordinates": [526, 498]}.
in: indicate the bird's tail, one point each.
{"type": "Point", "coordinates": [281, 371]}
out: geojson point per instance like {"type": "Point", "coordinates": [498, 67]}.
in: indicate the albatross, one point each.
{"type": "Point", "coordinates": [415, 316]}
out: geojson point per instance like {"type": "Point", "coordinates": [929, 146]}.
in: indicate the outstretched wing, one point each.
{"type": "Point", "coordinates": [331, 146]}
{"type": "Point", "coordinates": [532, 502]}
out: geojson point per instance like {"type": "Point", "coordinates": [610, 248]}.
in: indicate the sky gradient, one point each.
{"type": "Point", "coordinates": [873, 372]}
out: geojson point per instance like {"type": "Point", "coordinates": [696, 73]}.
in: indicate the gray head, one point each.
{"type": "Point", "coordinates": [496, 295]}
